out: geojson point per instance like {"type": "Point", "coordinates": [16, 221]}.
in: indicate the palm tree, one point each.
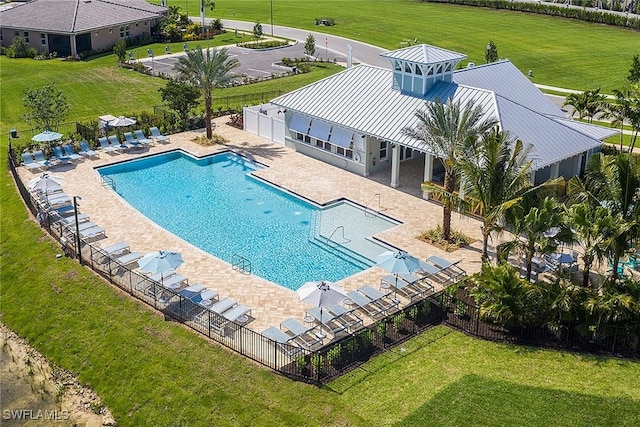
{"type": "Point", "coordinates": [207, 72]}
{"type": "Point", "coordinates": [444, 128]}
{"type": "Point", "coordinates": [594, 229]}
{"type": "Point", "coordinates": [614, 183]}
{"type": "Point", "coordinates": [530, 218]}
{"type": "Point", "coordinates": [626, 108]}
{"type": "Point", "coordinates": [497, 174]}
{"type": "Point", "coordinates": [579, 103]}
{"type": "Point", "coordinates": [595, 103]}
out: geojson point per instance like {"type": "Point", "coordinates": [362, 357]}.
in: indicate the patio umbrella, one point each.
{"type": "Point", "coordinates": [552, 232]}
{"type": "Point", "coordinates": [321, 293]}
{"type": "Point", "coordinates": [122, 121]}
{"type": "Point", "coordinates": [160, 261]}
{"type": "Point", "coordinates": [45, 183]}
{"type": "Point", "coordinates": [398, 262]}
{"type": "Point", "coordinates": [47, 136]}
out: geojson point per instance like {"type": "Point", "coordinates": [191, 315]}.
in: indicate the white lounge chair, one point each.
{"type": "Point", "coordinates": [86, 150]}
{"type": "Point", "coordinates": [104, 144]}
{"type": "Point", "coordinates": [69, 151]}
{"type": "Point", "coordinates": [383, 300]}
{"type": "Point", "coordinates": [308, 337]}
{"type": "Point", "coordinates": [141, 138]}
{"type": "Point", "coordinates": [366, 304]}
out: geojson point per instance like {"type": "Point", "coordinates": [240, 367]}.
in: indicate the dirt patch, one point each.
{"type": "Point", "coordinates": [434, 238]}
{"type": "Point", "coordinates": [36, 393]}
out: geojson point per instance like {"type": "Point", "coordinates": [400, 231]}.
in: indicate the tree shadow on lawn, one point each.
{"type": "Point", "coordinates": [475, 400]}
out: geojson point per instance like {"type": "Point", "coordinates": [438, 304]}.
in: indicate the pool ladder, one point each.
{"type": "Point", "coordinates": [368, 210]}
{"type": "Point", "coordinates": [344, 239]}
{"type": "Point", "coordinates": [240, 263]}
{"type": "Point", "coordinates": [106, 181]}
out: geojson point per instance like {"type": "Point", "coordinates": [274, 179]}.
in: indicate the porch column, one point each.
{"type": "Point", "coordinates": [428, 172]}
{"type": "Point", "coordinates": [578, 164]}
{"type": "Point", "coordinates": [428, 167]}
{"type": "Point", "coordinates": [395, 166]}
{"type": "Point", "coordinates": [555, 170]}
{"type": "Point", "coordinates": [73, 45]}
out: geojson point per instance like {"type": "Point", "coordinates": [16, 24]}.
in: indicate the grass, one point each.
{"type": "Point", "coordinates": [561, 52]}
{"type": "Point", "coordinates": [149, 371]}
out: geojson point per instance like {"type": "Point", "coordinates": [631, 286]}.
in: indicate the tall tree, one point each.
{"type": "Point", "coordinates": [579, 103]}
{"type": "Point", "coordinates": [497, 175]}
{"type": "Point", "coordinates": [613, 182]}
{"type": "Point", "coordinates": [595, 103]}
{"type": "Point", "coordinates": [445, 128]}
{"type": "Point", "coordinates": [491, 53]}
{"type": "Point", "coordinates": [530, 219]}
{"type": "Point", "coordinates": [626, 110]}
{"type": "Point", "coordinates": [180, 97]}
{"type": "Point", "coordinates": [310, 45]}
{"type": "Point", "coordinates": [46, 107]}
{"type": "Point", "coordinates": [207, 72]}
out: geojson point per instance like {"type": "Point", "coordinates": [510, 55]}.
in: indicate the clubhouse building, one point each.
{"type": "Point", "coordinates": [354, 119]}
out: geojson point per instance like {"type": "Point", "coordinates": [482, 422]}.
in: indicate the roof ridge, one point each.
{"type": "Point", "coordinates": [75, 16]}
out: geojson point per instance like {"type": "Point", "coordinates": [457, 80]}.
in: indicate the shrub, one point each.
{"type": "Point", "coordinates": [20, 49]}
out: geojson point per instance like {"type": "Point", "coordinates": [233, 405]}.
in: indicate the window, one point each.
{"type": "Point", "coordinates": [307, 139]}
{"type": "Point", "coordinates": [136, 25]}
{"type": "Point", "coordinates": [110, 30]}
{"type": "Point", "coordinates": [383, 150]}
{"type": "Point", "coordinates": [127, 32]}
{"type": "Point", "coordinates": [418, 70]}
{"type": "Point", "coordinates": [43, 39]}
{"type": "Point", "coordinates": [407, 68]}
{"type": "Point", "coordinates": [121, 32]}
{"type": "Point", "coordinates": [26, 36]}
{"type": "Point", "coordinates": [344, 152]}
{"type": "Point", "coordinates": [397, 66]}
{"type": "Point", "coordinates": [16, 33]}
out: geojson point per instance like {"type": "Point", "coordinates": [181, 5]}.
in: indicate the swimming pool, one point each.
{"type": "Point", "coordinates": [216, 204]}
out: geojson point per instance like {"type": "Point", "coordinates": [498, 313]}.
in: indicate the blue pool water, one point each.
{"type": "Point", "coordinates": [215, 204]}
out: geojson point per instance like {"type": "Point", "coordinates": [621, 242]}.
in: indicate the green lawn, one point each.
{"type": "Point", "coordinates": [561, 52]}
{"type": "Point", "coordinates": [152, 372]}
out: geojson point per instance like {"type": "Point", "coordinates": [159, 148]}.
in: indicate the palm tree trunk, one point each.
{"type": "Point", "coordinates": [485, 242]}
{"type": "Point", "coordinates": [207, 114]}
{"type": "Point", "coordinates": [449, 186]}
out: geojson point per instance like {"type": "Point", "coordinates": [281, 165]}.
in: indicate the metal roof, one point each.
{"type": "Point", "coordinates": [424, 54]}
{"type": "Point", "coordinates": [552, 139]}
{"type": "Point", "coordinates": [77, 16]}
{"type": "Point", "coordinates": [361, 99]}
{"type": "Point", "coordinates": [594, 131]}
{"type": "Point", "coordinates": [507, 81]}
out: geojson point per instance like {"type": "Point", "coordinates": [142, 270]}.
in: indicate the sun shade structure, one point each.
{"type": "Point", "coordinates": [321, 293]}
{"type": "Point", "coordinates": [47, 136]}
{"type": "Point", "coordinates": [160, 261]}
{"type": "Point", "coordinates": [398, 262]}
{"type": "Point", "coordinates": [122, 121]}
{"type": "Point", "coordinates": [45, 183]}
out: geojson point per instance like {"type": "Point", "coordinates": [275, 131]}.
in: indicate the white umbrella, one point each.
{"type": "Point", "coordinates": [47, 136]}
{"type": "Point", "coordinates": [122, 121]}
{"type": "Point", "coordinates": [321, 294]}
{"type": "Point", "coordinates": [160, 261]}
{"type": "Point", "coordinates": [45, 183]}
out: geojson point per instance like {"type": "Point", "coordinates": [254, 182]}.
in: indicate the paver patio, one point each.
{"type": "Point", "coordinates": [293, 171]}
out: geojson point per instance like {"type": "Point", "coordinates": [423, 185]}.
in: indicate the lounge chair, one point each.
{"type": "Point", "coordinates": [30, 163]}
{"type": "Point", "coordinates": [238, 313]}
{"type": "Point", "coordinates": [55, 200]}
{"type": "Point", "coordinates": [214, 315]}
{"type": "Point", "coordinates": [384, 300]}
{"type": "Point", "coordinates": [91, 233]}
{"type": "Point", "coordinates": [283, 341]}
{"type": "Point", "coordinates": [205, 297]}
{"type": "Point", "coordinates": [129, 258]}
{"type": "Point", "coordinates": [448, 267]}
{"type": "Point", "coordinates": [141, 138]}
{"type": "Point", "coordinates": [71, 220]}
{"type": "Point", "coordinates": [39, 157]}
{"type": "Point", "coordinates": [302, 334]}
{"type": "Point", "coordinates": [60, 156]}
{"type": "Point", "coordinates": [409, 285]}
{"type": "Point", "coordinates": [366, 304]}
{"type": "Point", "coordinates": [85, 150]}
{"type": "Point", "coordinates": [174, 282]}
{"type": "Point", "coordinates": [327, 319]}
{"type": "Point", "coordinates": [157, 136]}
{"type": "Point", "coordinates": [68, 150]}
{"type": "Point", "coordinates": [435, 273]}
{"type": "Point", "coordinates": [128, 136]}
{"type": "Point", "coordinates": [346, 316]}
{"type": "Point", "coordinates": [223, 305]}
{"type": "Point", "coordinates": [117, 144]}
{"type": "Point", "coordinates": [116, 249]}
{"type": "Point", "coordinates": [104, 144]}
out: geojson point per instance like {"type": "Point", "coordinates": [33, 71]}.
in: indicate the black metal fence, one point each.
{"type": "Point", "coordinates": [236, 102]}
{"type": "Point", "coordinates": [573, 336]}
{"type": "Point", "coordinates": [344, 353]}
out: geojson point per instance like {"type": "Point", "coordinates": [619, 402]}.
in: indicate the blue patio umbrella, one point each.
{"type": "Point", "coordinates": [47, 136]}
{"type": "Point", "coordinates": [398, 262]}
{"type": "Point", "coordinates": [160, 261]}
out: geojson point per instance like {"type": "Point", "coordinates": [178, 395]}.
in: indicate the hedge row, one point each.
{"type": "Point", "coordinates": [596, 16]}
